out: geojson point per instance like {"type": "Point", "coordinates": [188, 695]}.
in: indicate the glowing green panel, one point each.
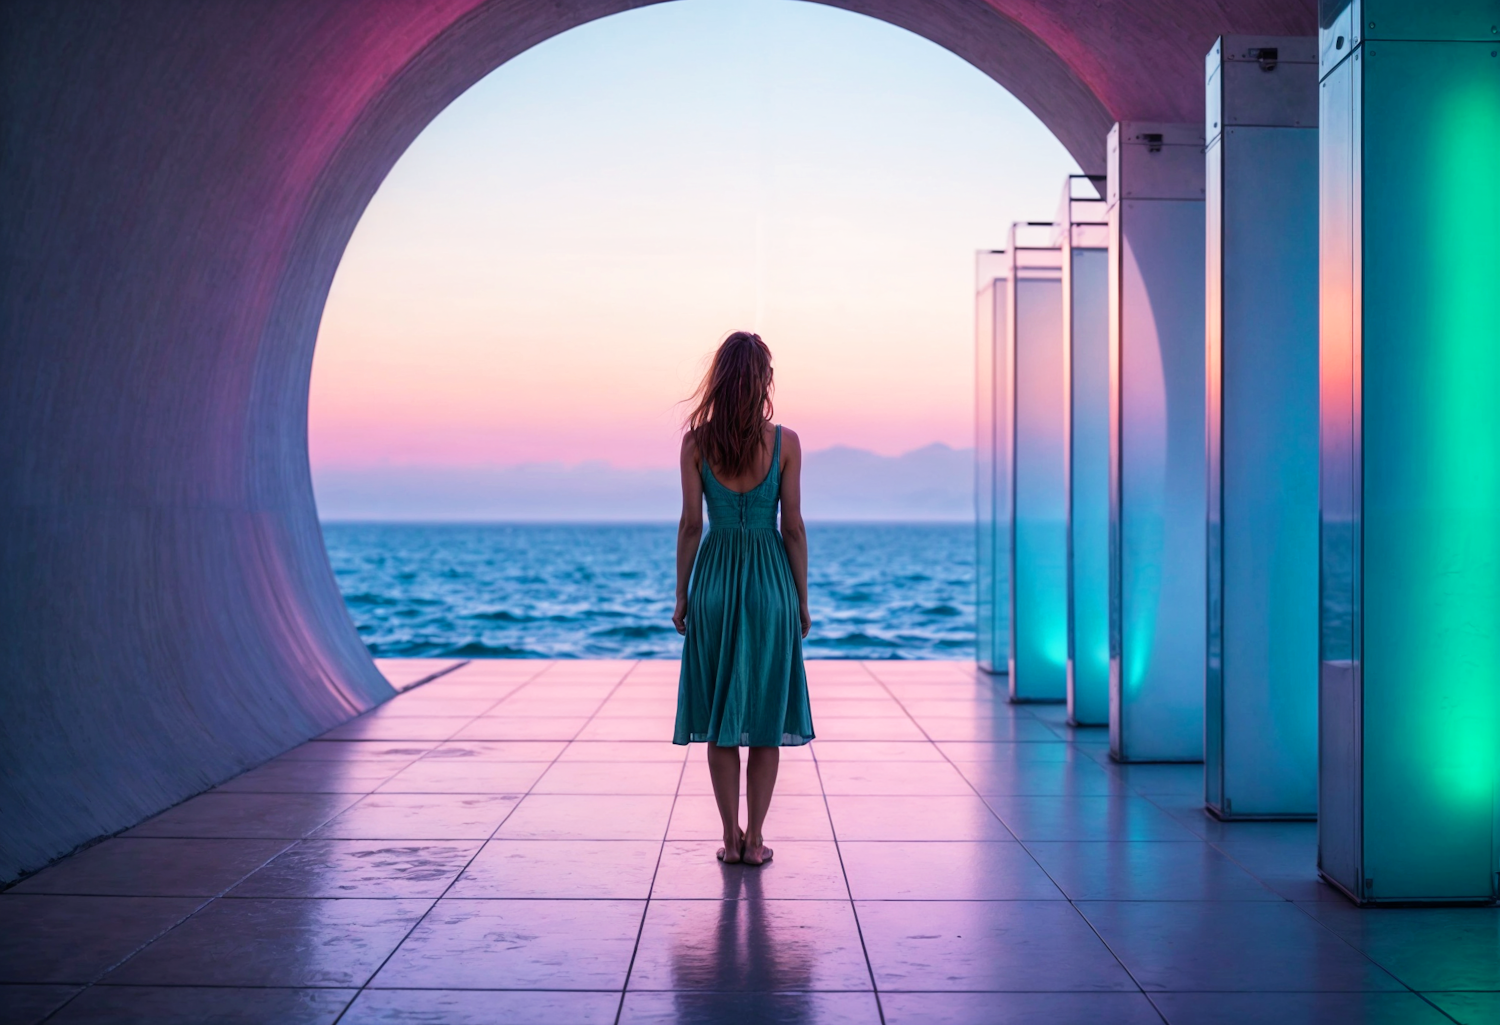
{"type": "Point", "coordinates": [1039, 654]}
{"type": "Point", "coordinates": [1431, 464]}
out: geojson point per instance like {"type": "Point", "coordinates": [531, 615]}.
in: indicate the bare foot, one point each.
{"type": "Point", "coordinates": [733, 851]}
{"type": "Point", "coordinates": [756, 853]}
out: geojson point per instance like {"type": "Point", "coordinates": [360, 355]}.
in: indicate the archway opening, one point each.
{"type": "Point", "coordinates": [494, 405]}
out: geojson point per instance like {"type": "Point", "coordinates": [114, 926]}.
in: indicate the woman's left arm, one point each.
{"type": "Point", "coordinates": [793, 531]}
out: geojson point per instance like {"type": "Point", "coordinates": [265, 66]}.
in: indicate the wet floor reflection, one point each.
{"type": "Point", "coordinates": [745, 945]}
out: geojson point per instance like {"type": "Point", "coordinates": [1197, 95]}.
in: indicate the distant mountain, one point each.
{"type": "Point", "coordinates": [933, 483]}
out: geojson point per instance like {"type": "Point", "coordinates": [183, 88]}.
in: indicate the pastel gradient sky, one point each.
{"type": "Point", "coordinates": [545, 271]}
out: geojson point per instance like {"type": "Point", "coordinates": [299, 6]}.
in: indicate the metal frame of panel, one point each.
{"type": "Point", "coordinates": [1409, 683]}
{"type": "Point", "coordinates": [1260, 749]}
{"type": "Point", "coordinates": [1082, 232]}
{"type": "Point", "coordinates": [991, 462]}
{"type": "Point", "coordinates": [1158, 504]}
{"type": "Point", "coordinates": [1037, 361]}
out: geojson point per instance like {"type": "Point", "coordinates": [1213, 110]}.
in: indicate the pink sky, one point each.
{"type": "Point", "coordinates": [544, 272]}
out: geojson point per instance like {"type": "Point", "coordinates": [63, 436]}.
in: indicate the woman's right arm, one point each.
{"type": "Point", "coordinates": [689, 527]}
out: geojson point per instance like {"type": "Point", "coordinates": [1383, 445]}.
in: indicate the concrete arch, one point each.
{"type": "Point", "coordinates": [177, 184]}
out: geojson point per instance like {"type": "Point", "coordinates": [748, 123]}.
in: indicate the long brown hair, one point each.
{"type": "Point", "coordinates": [734, 404]}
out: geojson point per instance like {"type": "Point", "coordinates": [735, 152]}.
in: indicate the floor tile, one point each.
{"type": "Point", "coordinates": [464, 776]}
{"type": "Point", "coordinates": [361, 868]}
{"type": "Point", "coordinates": [519, 728]}
{"type": "Point", "coordinates": [1005, 751]}
{"type": "Point", "coordinates": [546, 707]}
{"type": "Point", "coordinates": [356, 750]}
{"type": "Point", "coordinates": [867, 729]}
{"type": "Point", "coordinates": [1289, 867]}
{"type": "Point", "coordinates": [314, 777]}
{"type": "Point", "coordinates": [588, 817]}
{"type": "Point", "coordinates": [1297, 1009]}
{"type": "Point", "coordinates": [1077, 777]}
{"type": "Point", "coordinates": [800, 870]}
{"type": "Point", "coordinates": [518, 944]}
{"type": "Point", "coordinates": [1146, 870]}
{"type": "Point", "coordinates": [1086, 818]}
{"type": "Point", "coordinates": [497, 750]}
{"type": "Point", "coordinates": [1426, 948]}
{"type": "Point", "coordinates": [914, 818]}
{"type": "Point", "coordinates": [622, 728]}
{"type": "Point", "coordinates": [398, 728]}
{"type": "Point", "coordinates": [624, 751]}
{"type": "Point", "coordinates": [703, 1008]}
{"type": "Point", "coordinates": [792, 817]}
{"type": "Point", "coordinates": [945, 870]}
{"type": "Point", "coordinates": [27, 1005]}
{"type": "Point", "coordinates": [1184, 780]}
{"type": "Point", "coordinates": [985, 728]}
{"type": "Point", "coordinates": [610, 778]}
{"type": "Point", "coordinates": [890, 778]}
{"type": "Point", "coordinates": [420, 817]}
{"type": "Point", "coordinates": [876, 751]}
{"type": "Point", "coordinates": [289, 943]}
{"type": "Point", "coordinates": [1190, 811]}
{"type": "Point", "coordinates": [248, 816]}
{"type": "Point", "coordinates": [749, 946]}
{"type": "Point", "coordinates": [151, 867]}
{"type": "Point", "coordinates": [862, 707]}
{"type": "Point", "coordinates": [57, 939]}
{"type": "Point", "coordinates": [986, 945]}
{"type": "Point", "coordinates": [193, 1005]}
{"type": "Point", "coordinates": [1468, 1008]}
{"type": "Point", "coordinates": [1230, 946]}
{"type": "Point", "coordinates": [1018, 1009]}
{"type": "Point", "coordinates": [585, 869]}
{"type": "Point", "coordinates": [431, 706]}
{"type": "Point", "coordinates": [481, 1007]}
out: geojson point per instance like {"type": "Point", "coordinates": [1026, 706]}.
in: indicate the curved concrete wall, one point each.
{"type": "Point", "coordinates": [177, 184]}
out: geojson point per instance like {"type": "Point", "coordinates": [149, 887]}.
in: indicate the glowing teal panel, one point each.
{"type": "Point", "coordinates": [1039, 610]}
{"type": "Point", "coordinates": [1159, 505]}
{"type": "Point", "coordinates": [1088, 496]}
{"type": "Point", "coordinates": [1263, 457]}
{"type": "Point", "coordinates": [1429, 365]}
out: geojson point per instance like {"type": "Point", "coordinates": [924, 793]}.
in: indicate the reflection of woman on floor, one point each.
{"type": "Point", "coordinates": [745, 613]}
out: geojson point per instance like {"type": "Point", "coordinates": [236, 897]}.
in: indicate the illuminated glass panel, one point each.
{"type": "Point", "coordinates": [1087, 298]}
{"type": "Point", "coordinates": [1039, 605]}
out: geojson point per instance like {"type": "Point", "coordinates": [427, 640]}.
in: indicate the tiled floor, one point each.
{"type": "Point", "coordinates": [514, 842]}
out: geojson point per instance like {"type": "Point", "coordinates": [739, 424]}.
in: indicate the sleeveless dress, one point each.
{"type": "Point", "coordinates": [742, 681]}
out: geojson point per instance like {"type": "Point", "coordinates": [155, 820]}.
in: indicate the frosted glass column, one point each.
{"type": "Point", "coordinates": [1409, 715]}
{"type": "Point", "coordinates": [992, 424]}
{"type": "Point", "coordinates": [1083, 234]}
{"type": "Point", "coordinates": [1158, 507]}
{"type": "Point", "coordinates": [1261, 744]}
{"type": "Point", "coordinates": [1039, 479]}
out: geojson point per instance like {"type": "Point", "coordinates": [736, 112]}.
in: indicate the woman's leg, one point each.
{"type": "Point", "coordinates": [724, 770]}
{"type": "Point", "coordinates": [760, 782]}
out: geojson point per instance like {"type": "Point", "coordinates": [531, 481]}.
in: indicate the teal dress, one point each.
{"type": "Point", "coordinates": [742, 682]}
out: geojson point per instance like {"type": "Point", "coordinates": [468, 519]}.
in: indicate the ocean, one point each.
{"type": "Point", "coordinates": [569, 590]}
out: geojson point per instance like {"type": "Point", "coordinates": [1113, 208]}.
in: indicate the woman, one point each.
{"type": "Point", "coordinates": [745, 613]}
